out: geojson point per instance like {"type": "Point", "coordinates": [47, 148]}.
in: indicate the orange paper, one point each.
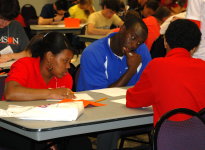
{"type": "Point", "coordinates": [85, 102]}
{"type": "Point", "coordinates": [72, 22]}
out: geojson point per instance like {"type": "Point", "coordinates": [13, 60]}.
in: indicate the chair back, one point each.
{"type": "Point", "coordinates": [29, 14]}
{"type": "Point", "coordinates": [202, 113]}
{"type": "Point", "coordinates": [180, 135]}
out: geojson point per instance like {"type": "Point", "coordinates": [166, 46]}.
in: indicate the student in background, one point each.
{"type": "Point", "coordinates": [44, 75]}
{"type": "Point", "coordinates": [54, 13]}
{"type": "Point", "coordinates": [13, 38]}
{"type": "Point", "coordinates": [153, 24]}
{"type": "Point", "coordinates": [99, 22]}
{"type": "Point", "coordinates": [136, 5]}
{"type": "Point", "coordinates": [81, 10]}
{"type": "Point", "coordinates": [32, 46]}
{"type": "Point", "coordinates": [196, 12]}
{"type": "Point", "coordinates": [149, 9]}
{"type": "Point", "coordinates": [174, 81]}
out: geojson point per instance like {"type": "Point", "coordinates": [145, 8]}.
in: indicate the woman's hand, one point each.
{"type": "Point", "coordinates": [61, 93]}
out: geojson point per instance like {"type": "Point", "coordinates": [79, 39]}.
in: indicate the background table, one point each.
{"type": "Point", "coordinates": [36, 29]}
{"type": "Point", "coordinates": [90, 38]}
{"type": "Point", "coordinates": [94, 119]}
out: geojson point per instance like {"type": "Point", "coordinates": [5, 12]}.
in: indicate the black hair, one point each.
{"type": "Point", "coordinates": [162, 12]}
{"type": "Point", "coordinates": [132, 19]}
{"type": "Point", "coordinates": [62, 5]}
{"type": "Point", "coordinates": [54, 42]}
{"type": "Point", "coordinates": [152, 4]}
{"type": "Point", "coordinates": [9, 9]}
{"type": "Point", "coordinates": [183, 33]}
{"type": "Point", "coordinates": [84, 2]}
{"type": "Point", "coordinates": [134, 4]}
{"type": "Point", "coordinates": [114, 5]}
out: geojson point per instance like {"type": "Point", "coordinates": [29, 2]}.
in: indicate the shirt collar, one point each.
{"type": "Point", "coordinates": [178, 52]}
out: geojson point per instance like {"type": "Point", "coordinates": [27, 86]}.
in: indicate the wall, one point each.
{"type": "Point", "coordinates": [38, 4]}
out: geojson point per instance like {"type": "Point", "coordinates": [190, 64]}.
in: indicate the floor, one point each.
{"type": "Point", "coordinates": [129, 145]}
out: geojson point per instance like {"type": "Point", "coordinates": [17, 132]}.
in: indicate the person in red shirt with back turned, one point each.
{"type": "Point", "coordinates": [44, 75]}
{"type": "Point", "coordinates": [175, 81]}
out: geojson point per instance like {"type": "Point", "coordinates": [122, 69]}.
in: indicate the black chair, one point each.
{"type": "Point", "coordinates": [202, 113]}
{"type": "Point", "coordinates": [180, 135]}
{"type": "Point", "coordinates": [75, 76]}
{"type": "Point", "coordinates": [30, 17]}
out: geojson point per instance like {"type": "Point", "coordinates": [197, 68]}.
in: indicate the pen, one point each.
{"type": "Point", "coordinates": [101, 99]}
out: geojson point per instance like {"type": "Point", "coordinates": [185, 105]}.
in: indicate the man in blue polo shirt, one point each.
{"type": "Point", "coordinates": [116, 60]}
{"type": "Point", "coordinates": [54, 13]}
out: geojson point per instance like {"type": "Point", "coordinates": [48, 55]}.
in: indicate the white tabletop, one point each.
{"type": "Point", "coordinates": [112, 116]}
{"type": "Point", "coordinates": [59, 28]}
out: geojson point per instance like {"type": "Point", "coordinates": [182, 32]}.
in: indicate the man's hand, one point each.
{"type": "Point", "coordinates": [133, 61]}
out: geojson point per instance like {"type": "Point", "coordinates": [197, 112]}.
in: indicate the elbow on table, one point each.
{"type": "Point", "coordinates": [10, 96]}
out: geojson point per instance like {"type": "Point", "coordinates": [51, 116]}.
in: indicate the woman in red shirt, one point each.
{"type": "Point", "coordinates": [44, 75]}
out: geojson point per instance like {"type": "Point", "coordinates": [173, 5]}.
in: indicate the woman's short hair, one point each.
{"type": "Point", "coordinates": [9, 9]}
{"type": "Point", "coordinates": [183, 33]}
{"type": "Point", "coordinates": [54, 42]}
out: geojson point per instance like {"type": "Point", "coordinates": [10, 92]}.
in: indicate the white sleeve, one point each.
{"type": "Point", "coordinates": [194, 9]}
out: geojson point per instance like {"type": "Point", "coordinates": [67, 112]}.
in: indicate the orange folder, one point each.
{"type": "Point", "coordinates": [85, 102]}
{"type": "Point", "coordinates": [72, 22]}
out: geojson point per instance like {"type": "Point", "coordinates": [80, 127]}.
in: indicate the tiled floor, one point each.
{"type": "Point", "coordinates": [129, 145]}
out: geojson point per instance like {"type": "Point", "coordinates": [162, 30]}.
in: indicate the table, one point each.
{"type": "Point", "coordinates": [36, 29]}
{"type": "Point", "coordinates": [90, 38]}
{"type": "Point", "coordinates": [94, 119]}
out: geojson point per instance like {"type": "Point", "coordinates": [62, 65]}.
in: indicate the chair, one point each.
{"type": "Point", "coordinates": [180, 135]}
{"type": "Point", "coordinates": [29, 14]}
{"type": "Point", "coordinates": [75, 76]}
{"type": "Point", "coordinates": [202, 113]}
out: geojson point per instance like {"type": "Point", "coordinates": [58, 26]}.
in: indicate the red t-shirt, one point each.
{"type": "Point", "coordinates": [153, 30]}
{"type": "Point", "coordinates": [175, 81]}
{"type": "Point", "coordinates": [26, 71]}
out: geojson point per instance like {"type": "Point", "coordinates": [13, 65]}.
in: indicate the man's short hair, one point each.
{"type": "Point", "coordinates": [9, 9]}
{"type": "Point", "coordinates": [114, 5]}
{"type": "Point", "coordinates": [152, 4]}
{"type": "Point", "coordinates": [62, 5]}
{"type": "Point", "coordinates": [131, 19]}
{"type": "Point", "coordinates": [162, 12]}
{"type": "Point", "coordinates": [183, 33]}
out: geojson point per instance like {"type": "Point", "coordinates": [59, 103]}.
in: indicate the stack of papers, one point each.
{"type": "Point", "coordinates": [68, 111]}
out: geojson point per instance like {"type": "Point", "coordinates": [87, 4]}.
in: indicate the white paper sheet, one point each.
{"type": "Point", "coordinates": [111, 91]}
{"type": "Point", "coordinates": [83, 96]}
{"type": "Point", "coordinates": [6, 64]}
{"type": "Point", "coordinates": [120, 101]}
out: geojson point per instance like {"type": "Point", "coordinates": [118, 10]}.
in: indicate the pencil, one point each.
{"type": "Point", "coordinates": [101, 99]}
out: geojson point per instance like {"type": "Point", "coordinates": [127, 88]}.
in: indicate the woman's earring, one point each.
{"type": "Point", "coordinates": [50, 67]}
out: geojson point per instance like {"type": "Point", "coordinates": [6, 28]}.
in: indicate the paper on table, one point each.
{"type": "Point", "coordinates": [6, 64]}
{"type": "Point", "coordinates": [111, 91]}
{"type": "Point", "coordinates": [54, 112]}
{"type": "Point", "coordinates": [83, 96]}
{"type": "Point", "coordinates": [121, 101]}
